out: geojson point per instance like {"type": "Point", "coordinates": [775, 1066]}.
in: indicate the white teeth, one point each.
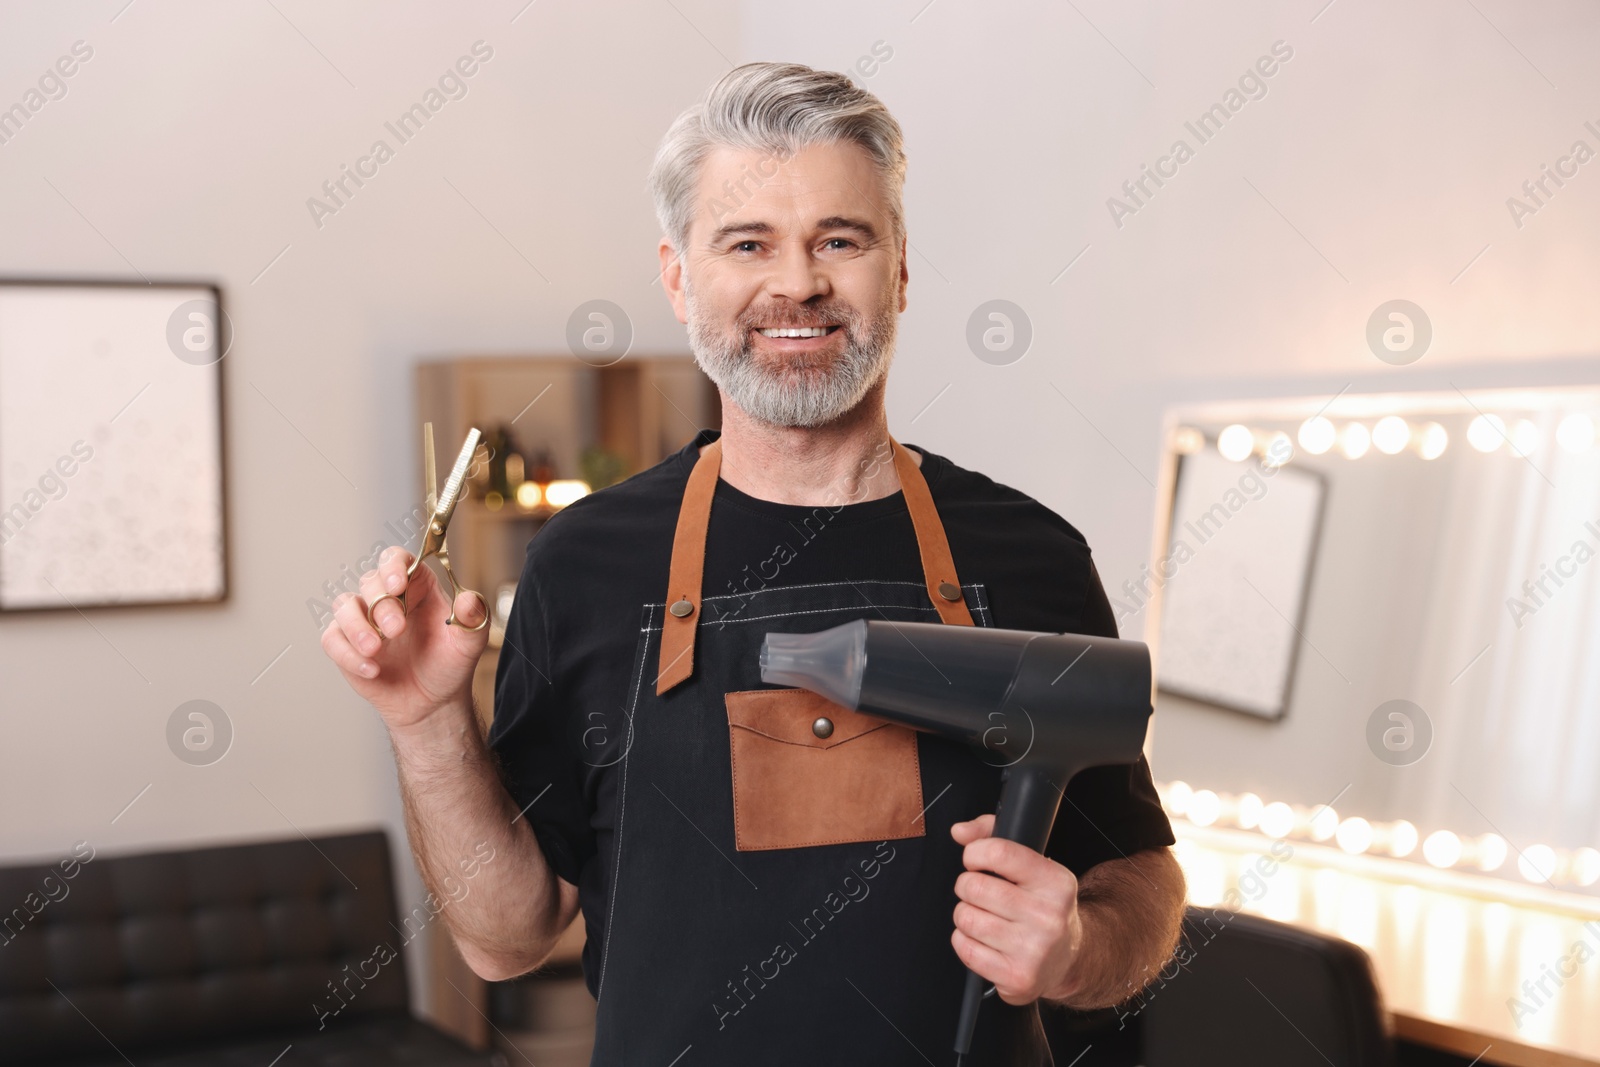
{"type": "Point", "coordinates": [808, 331]}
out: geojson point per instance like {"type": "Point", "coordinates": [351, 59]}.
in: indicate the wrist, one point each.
{"type": "Point", "coordinates": [444, 731]}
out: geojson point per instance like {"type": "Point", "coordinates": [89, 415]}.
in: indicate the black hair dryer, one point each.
{"type": "Point", "coordinates": [1043, 706]}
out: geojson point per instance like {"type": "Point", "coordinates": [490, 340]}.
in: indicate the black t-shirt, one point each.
{"type": "Point", "coordinates": [574, 625]}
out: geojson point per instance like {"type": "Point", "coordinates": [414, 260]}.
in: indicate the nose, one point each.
{"type": "Point", "coordinates": [797, 275]}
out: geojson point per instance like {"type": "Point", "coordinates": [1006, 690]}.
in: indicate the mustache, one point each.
{"type": "Point", "coordinates": [799, 318]}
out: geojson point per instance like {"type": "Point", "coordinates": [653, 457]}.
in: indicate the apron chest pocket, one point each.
{"type": "Point", "coordinates": [807, 771]}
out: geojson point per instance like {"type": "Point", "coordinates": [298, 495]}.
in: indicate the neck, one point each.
{"type": "Point", "coordinates": [846, 461]}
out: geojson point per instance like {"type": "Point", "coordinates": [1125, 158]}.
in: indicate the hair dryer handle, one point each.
{"type": "Point", "coordinates": [1027, 811]}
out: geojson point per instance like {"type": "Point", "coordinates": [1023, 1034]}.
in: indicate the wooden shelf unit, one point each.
{"type": "Point", "coordinates": [642, 409]}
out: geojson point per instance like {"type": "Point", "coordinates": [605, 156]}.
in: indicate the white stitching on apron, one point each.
{"type": "Point", "coordinates": [622, 806]}
{"type": "Point", "coordinates": [980, 608]}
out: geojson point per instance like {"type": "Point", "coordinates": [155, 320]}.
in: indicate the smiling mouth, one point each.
{"type": "Point", "coordinates": [797, 331]}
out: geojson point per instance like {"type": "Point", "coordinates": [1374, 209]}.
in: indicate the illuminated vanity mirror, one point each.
{"type": "Point", "coordinates": [1377, 626]}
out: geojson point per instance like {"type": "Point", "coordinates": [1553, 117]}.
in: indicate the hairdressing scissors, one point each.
{"type": "Point", "coordinates": [440, 508]}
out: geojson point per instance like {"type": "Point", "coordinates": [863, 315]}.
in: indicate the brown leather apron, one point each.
{"type": "Point", "coordinates": [764, 835]}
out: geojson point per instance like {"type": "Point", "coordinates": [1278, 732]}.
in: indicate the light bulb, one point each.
{"type": "Point", "coordinates": [1178, 795]}
{"type": "Point", "coordinates": [1204, 807]}
{"type": "Point", "coordinates": [1236, 442]}
{"type": "Point", "coordinates": [564, 491]}
{"type": "Point", "coordinates": [1402, 838]}
{"type": "Point", "coordinates": [1486, 432]}
{"type": "Point", "coordinates": [1317, 435]}
{"type": "Point", "coordinates": [1537, 863]}
{"type": "Point", "coordinates": [1586, 866]}
{"type": "Point", "coordinates": [1324, 824]}
{"type": "Point", "coordinates": [1391, 435]}
{"type": "Point", "coordinates": [1355, 835]}
{"type": "Point", "coordinates": [1354, 440]}
{"type": "Point", "coordinates": [1491, 852]}
{"type": "Point", "coordinates": [1576, 433]}
{"type": "Point", "coordinates": [1277, 451]}
{"type": "Point", "coordinates": [1432, 441]}
{"type": "Point", "coordinates": [1277, 819]}
{"type": "Point", "coordinates": [1250, 807]}
{"type": "Point", "coordinates": [1442, 848]}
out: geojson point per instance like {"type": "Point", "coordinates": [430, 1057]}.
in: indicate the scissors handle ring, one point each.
{"type": "Point", "coordinates": [455, 591]}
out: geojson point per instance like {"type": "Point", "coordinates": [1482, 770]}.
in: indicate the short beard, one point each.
{"type": "Point", "coordinates": [795, 394]}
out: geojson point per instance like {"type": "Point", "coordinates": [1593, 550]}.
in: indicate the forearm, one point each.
{"type": "Point", "coordinates": [508, 916]}
{"type": "Point", "coordinates": [1131, 911]}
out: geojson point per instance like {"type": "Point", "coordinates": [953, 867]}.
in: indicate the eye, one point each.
{"type": "Point", "coordinates": [839, 242]}
{"type": "Point", "coordinates": [747, 246]}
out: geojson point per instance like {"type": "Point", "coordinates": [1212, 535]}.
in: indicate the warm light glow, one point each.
{"type": "Point", "coordinates": [1391, 435]}
{"type": "Point", "coordinates": [1524, 438]}
{"type": "Point", "coordinates": [1355, 835]}
{"type": "Point", "coordinates": [1442, 848]}
{"type": "Point", "coordinates": [1402, 838]}
{"type": "Point", "coordinates": [1277, 819]}
{"type": "Point", "coordinates": [1236, 442]}
{"type": "Point", "coordinates": [1486, 432]}
{"type": "Point", "coordinates": [1537, 863]}
{"type": "Point", "coordinates": [1432, 440]}
{"type": "Point", "coordinates": [1491, 852]}
{"type": "Point", "coordinates": [1576, 433]}
{"type": "Point", "coordinates": [1317, 435]}
{"type": "Point", "coordinates": [1354, 440]}
{"type": "Point", "coordinates": [1250, 807]}
{"type": "Point", "coordinates": [528, 495]}
{"type": "Point", "coordinates": [1277, 451]}
{"type": "Point", "coordinates": [1178, 796]}
{"type": "Point", "coordinates": [1586, 866]}
{"type": "Point", "coordinates": [1324, 824]}
{"type": "Point", "coordinates": [563, 491]}
{"type": "Point", "coordinates": [1204, 807]}
{"type": "Point", "coordinates": [1186, 440]}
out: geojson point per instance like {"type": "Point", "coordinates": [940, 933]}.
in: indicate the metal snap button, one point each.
{"type": "Point", "coordinates": [682, 608]}
{"type": "Point", "coordinates": [949, 591]}
{"type": "Point", "coordinates": [823, 727]}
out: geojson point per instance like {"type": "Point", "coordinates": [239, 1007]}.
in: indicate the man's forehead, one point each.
{"type": "Point", "coordinates": [816, 187]}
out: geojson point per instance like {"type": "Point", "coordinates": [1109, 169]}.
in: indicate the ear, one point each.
{"type": "Point", "coordinates": [672, 279]}
{"type": "Point", "coordinates": [905, 273]}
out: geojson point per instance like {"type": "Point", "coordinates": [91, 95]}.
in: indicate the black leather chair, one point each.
{"type": "Point", "coordinates": [284, 953]}
{"type": "Point", "coordinates": [1242, 989]}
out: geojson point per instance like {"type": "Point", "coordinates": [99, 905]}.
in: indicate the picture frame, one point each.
{"type": "Point", "coordinates": [113, 488]}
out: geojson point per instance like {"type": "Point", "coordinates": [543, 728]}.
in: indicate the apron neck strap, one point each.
{"type": "Point", "coordinates": [681, 621]}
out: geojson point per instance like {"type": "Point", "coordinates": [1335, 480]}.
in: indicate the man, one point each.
{"type": "Point", "coordinates": [765, 876]}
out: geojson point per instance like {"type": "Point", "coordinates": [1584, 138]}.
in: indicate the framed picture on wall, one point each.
{"type": "Point", "coordinates": [111, 444]}
{"type": "Point", "coordinates": [1240, 550]}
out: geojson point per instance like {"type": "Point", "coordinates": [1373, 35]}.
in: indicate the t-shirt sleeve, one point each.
{"type": "Point", "coordinates": [530, 735]}
{"type": "Point", "coordinates": [1113, 811]}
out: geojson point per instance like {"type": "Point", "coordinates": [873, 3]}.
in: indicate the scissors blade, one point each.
{"type": "Point", "coordinates": [430, 472]}
{"type": "Point", "coordinates": [458, 475]}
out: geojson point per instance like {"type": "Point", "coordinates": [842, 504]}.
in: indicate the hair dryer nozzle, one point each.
{"type": "Point", "coordinates": [831, 662]}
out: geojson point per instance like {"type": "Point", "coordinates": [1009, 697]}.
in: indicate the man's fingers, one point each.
{"type": "Point", "coordinates": [967, 832]}
{"type": "Point", "coordinates": [392, 565]}
{"type": "Point", "coordinates": [470, 608]}
{"type": "Point", "coordinates": [350, 613]}
{"type": "Point", "coordinates": [1011, 861]}
{"type": "Point", "coordinates": [387, 616]}
{"type": "Point", "coordinates": [344, 655]}
{"type": "Point", "coordinates": [994, 895]}
{"type": "Point", "coordinates": [984, 961]}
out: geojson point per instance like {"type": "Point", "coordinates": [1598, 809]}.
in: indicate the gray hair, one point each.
{"type": "Point", "coordinates": [780, 108]}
